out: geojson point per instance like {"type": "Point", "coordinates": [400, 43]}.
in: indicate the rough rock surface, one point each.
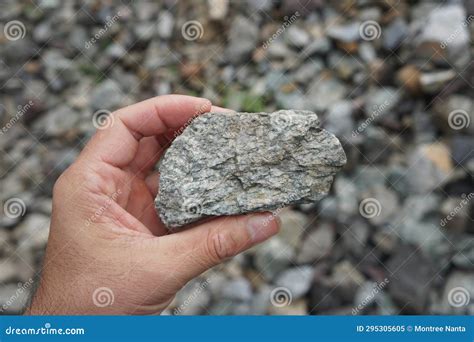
{"type": "Point", "coordinates": [234, 163]}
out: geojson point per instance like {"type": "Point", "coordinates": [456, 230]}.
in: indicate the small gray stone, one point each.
{"type": "Point", "coordinates": [258, 162]}
{"type": "Point", "coordinates": [238, 289]}
{"type": "Point", "coordinates": [243, 37]}
{"type": "Point", "coordinates": [394, 34]}
{"type": "Point", "coordinates": [307, 71]}
{"type": "Point", "coordinates": [381, 101]}
{"type": "Point", "coordinates": [344, 33]}
{"type": "Point", "coordinates": [273, 257]}
{"type": "Point", "coordinates": [193, 298]}
{"type": "Point", "coordinates": [13, 297]}
{"type": "Point", "coordinates": [32, 232]}
{"type": "Point", "coordinates": [107, 95]}
{"type": "Point", "coordinates": [297, 280]}
{"type": "Point", "coordinates": [411, 275]}
{"type": "Point", "coordinates": [165, 25]}
{"type": "Point", "coordinates": [57, 122]}
{"type": "Point", "coordinates": [458, 295]}
{"type": "Point", "coordinates": [323, 93]}
{"type": "Point", "coordinates": [433, 82]}
{"type": "Point", "coordinates": [387, 201]}
{"type": "Point", "coordinates": [464, 257]}
{"type": "Point", "coordinates": [339, 119]}
{"type": "Point", "coordinates": [297, 36]}
{"type": "Point", "coordinates": [317, 244]}
{"type": "Point", "coordinates": [446, 25]}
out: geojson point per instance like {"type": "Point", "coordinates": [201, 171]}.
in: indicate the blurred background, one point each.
{"type": "Point", "coordinates": [393, 79]}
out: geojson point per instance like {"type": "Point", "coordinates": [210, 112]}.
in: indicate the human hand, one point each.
{"type": "Point", "coordinates": [105, 234]}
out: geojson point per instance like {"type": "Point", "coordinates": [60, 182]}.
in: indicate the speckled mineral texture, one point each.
{"type": "Point", "coordinates": [235, 163]}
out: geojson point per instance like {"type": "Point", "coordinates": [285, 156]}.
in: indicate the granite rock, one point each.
{"type": "Point", "coordinates": [235, 163]}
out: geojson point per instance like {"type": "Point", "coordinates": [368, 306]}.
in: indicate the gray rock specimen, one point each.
{"type": "Point", "coordinates": [235, 163]}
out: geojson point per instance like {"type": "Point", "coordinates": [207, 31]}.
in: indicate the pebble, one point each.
{"type": "Point", "coordinates": [107, 96]}
{"type": "Point", "coordinates": [410, 283]}
{"type": "Point", "coordinates": [317, 244]}
{"type": "Point", "coordinates": [429, 166]}
{"type": "Point", "coordinates": [339, 120]}
{"type": "Point", "coordinates": [243, 37]}
{"type": "Point", "coordinates": [325, 92]}
{"type": "Point", "coordinates": [296, 280]}
{"type": "Point", "coordinates": [58, 121]}
{"type": "Point", "coordinates": [32, 232]}
{"type": "Point", "coordinates": [165, 25]}
{"type": "Point", "coordinates": [458, 294]}
{"type": "Point", "coordinates": [273, 257]}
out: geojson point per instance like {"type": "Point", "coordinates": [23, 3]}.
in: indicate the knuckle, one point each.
{"type": "Point", "coordinates": [221, 245]}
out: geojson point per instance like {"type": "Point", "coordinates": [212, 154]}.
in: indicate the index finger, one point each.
{"type": "Point", "coordinates": [118, 143]}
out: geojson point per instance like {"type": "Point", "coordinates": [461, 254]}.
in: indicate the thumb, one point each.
{"type": "Point", "coordinates": [197, 249]}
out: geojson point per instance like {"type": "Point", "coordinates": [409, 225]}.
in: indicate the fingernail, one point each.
{"type": "Point", "coordinates": [262, 226]}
